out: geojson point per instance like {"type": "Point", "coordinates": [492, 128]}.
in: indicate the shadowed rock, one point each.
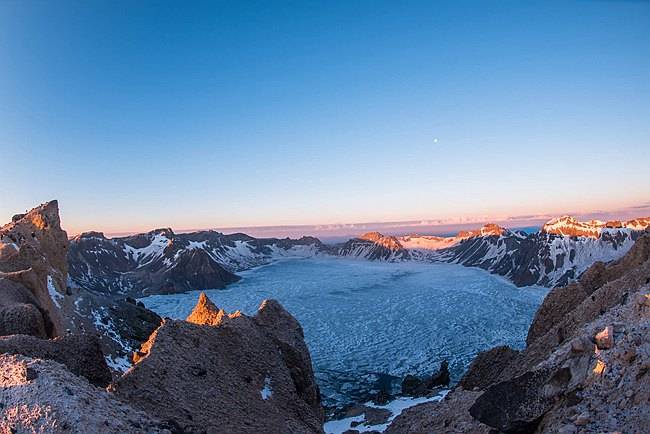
{"type": "Point", "coordinates": [517, 405]}
{"type": "Point", "coordinates": [488, 367]}
{"type": "Point", "coordinates": [81, 354]}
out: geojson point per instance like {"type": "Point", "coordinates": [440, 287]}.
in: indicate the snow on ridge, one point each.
{"type": "Point", "coordinates": [395, 407]}
{"type": "Point", "coordinates": [149, 253]}
{"type": "Point", "coordinates": [54, 294]}
{"type": "Point", "coordinates": [267, 391]}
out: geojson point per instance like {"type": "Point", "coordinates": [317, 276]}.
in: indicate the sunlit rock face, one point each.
{"type": "Point", "coordinates": [374, 246]}
{"type": "Point", "coordinates": [33, 273]}
{"type": "Point", "coordinates": [227, 373]}
{"type": "Point", "coordinates": [570, 226]}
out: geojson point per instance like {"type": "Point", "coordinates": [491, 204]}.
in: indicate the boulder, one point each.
{"type": "Point", "coordinates": [440, 378]}
{"type": "Point", "coordinates": [244, 375]}
{"type": "Point", "coordinates": [517, 405]}
{"type": "Point", "coordinates": [488, 367]}
{"type": "Point", "coordinates": [605, 338]}
{"type": "Point", "coordinates": [413, 386]}
{"type": "Point", "coordinates": [81, 354]}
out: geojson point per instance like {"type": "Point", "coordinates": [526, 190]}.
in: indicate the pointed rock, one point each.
{"type": "Point", "coordinates": [206, 312]}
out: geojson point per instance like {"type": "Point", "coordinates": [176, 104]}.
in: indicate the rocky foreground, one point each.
{"type": "Point", "coordinates": [215, 372]}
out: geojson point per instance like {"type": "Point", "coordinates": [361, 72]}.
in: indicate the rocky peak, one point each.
{"type": "Point", "coordinates": [91, 235]}
{"type": "Point", "coordinates": [389, 242]}
{"type": "Point", "coordinates": [206, 312]}
{"type": "Point", "coordinates": [570, 226]}
{"type": "Point", "coordinates": [489, 229]}
{"type": "Point", "coordinates": [33, 273]}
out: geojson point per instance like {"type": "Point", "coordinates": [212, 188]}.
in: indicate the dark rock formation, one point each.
{"type": "Point", "coordinates": [81, 354]}
{"type": "Point", "coordinates": [414, 386]}
{"type": "Point", "coordinates": [244, 374]}
{"type": "Point", "coordinates": [450, 415]}
{"type": "Point", "coordinates": [162, 261]}
{"type": "Point", "coordinates": [488, 367]}
{"type": "Point", "coordinates": [517, 405]}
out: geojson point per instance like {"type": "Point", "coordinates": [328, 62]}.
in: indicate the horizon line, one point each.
{"type": "Point", "coordinates": [400, 227]}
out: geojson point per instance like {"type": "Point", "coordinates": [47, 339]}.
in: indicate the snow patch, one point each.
{"type": "Point", "coordinates": [121, 364]}
{"type": "Point", "coordinates": [54, 294]}
{"type": "Point", "coordinates": [396, 407]}
{"type": "Point", "coordinates": [266, 391]}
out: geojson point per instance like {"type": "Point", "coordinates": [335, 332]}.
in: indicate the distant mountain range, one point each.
{"type": "Point", "coordinates": [161, 261]}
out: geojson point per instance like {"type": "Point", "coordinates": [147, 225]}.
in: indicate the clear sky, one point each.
{"type": "Point", "coordinates": [141, 114]}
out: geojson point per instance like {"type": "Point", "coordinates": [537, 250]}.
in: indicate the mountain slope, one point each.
{"type": "Point", "coordinates": [161, 261]}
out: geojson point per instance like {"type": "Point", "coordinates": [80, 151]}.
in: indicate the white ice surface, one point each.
{"type": "Point", "coordinates": [361, 318]}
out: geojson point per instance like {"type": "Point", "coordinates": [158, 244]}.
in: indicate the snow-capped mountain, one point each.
{"type": "Point", "coordinates": [554, 256]}
{"type": "Point", "coordinates": [569, 226]}
{"type": "Point", "coordinates": [161, 261]}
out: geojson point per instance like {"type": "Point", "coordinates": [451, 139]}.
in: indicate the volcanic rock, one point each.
{"type": "Point", "coordinates": [42, 396]}
{"type": "Point", "coordinates": [244, 375]}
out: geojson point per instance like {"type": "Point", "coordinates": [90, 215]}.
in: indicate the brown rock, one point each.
{"type": "Point", "coordinates": [605, 338]}
{"type": "Point", "coordinates": [39, 267]}
{"type": "Point", "coordinates": [243, 375]}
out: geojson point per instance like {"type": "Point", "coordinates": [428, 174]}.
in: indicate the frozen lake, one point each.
{"type": "Point", "coordinates": [364, 318]}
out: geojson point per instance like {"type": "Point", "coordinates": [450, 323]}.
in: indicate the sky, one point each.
{"type": "Point", "coordinates": [137, 115]}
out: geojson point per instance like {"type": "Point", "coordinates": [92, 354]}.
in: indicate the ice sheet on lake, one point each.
{"type": "Point", "coordinates": [365, 318]}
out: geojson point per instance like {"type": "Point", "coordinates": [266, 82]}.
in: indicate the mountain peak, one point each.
{"type": "Point", "coordinates": [488, 229]}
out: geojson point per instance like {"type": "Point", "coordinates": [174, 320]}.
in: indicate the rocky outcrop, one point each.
{"type": "Point", "coordinates": [33, 272]}
{"type": "Point", "coordinates": [232, 374]}
{"type": "Point", "coordinates": [42, 396]}
{"type": "Point", "coordinates": [81, 354]}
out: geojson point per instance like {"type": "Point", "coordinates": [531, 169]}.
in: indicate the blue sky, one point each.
{"type": "Point", "coordinates": [213, 114]}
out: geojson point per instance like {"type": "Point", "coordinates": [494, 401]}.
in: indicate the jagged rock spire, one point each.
{"type": "Point", "coordinates": [206, 312]}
